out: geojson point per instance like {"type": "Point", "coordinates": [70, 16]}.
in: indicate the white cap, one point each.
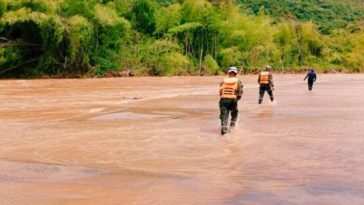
{"type": "Point", "coordinates": [233, 69]}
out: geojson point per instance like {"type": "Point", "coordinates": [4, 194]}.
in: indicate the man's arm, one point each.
{"type": "Point", "coordinates": [240, 90]}
{"type": "Point", "coordinates": [271, 80]}
{"type": "Point", "coordinates": [259, 79]}
{"type": "Point", "coordinates": [220, 88]}
{"type": "Point", "coordinates": [306, 77]}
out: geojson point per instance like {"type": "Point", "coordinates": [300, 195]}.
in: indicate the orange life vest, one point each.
{"type": "Point", "coordinates": [264, 78]}
{"type": "Point", "coordinates": [229, 88]}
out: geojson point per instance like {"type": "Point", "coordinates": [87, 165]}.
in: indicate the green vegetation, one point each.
{"type": "Point", "coordinates": [170, 37]}
{"type": "Point", "coordinates": [327, 14]}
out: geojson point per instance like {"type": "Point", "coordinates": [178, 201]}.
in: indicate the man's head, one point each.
{"type": "Point", "coordinates": [268, 68]}
{"type": "Point", "coordinates": [312, 70]}
{"type": "Point", "coordinates": [233, 71]}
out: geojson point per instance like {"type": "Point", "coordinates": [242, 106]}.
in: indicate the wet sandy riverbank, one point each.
{"type": "Point", "coordinates": [156, 141]}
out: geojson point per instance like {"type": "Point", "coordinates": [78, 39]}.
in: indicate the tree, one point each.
{"type": "Point", "coordinates": [167, 18]}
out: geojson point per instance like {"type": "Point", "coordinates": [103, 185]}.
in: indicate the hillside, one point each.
{"type": "Point", "coordinates": [328, 14]}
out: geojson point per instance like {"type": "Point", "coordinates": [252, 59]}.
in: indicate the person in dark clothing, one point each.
{"type": "Point", "coordinates": [231, 90]}
{"type": "Point", "coordinates": [312, 77]}
{"type": "Point", "coordinates": [265, 81]}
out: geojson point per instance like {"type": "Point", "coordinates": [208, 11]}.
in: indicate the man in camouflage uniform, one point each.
{"type": "Point", "coordinates": [265, 81]}
{"type": "Point", "coordinates": [231, 90]}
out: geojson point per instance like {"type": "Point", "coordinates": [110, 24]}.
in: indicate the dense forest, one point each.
{"type": "Point", "coordinates": [178, 37]}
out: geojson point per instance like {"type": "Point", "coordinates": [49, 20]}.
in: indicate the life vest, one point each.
{"type": "Point", "coordinates": [229, 88]}
{"type": "Point", "coordinates": [264, 78]}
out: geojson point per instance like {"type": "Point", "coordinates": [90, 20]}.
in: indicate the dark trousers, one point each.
{"type": "Point", "coordinates": [227, 106]}
{"type": "Point", "coordinates": [310, 84]}
{"type": "Point", "coordinates": [262, 90]}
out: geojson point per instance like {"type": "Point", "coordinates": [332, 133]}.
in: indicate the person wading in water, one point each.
{"type": "Point", "coordinates": [311, 76]}
{"type": "Point", "coordinates": [265, 81]}
{"type": "Point", "coordinates": [231, 90]}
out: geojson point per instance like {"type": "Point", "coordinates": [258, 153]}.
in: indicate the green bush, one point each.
{"type": "Point", "coordinates": [211, 66]}
{"type": "Point", "coordinates": [173, 64]}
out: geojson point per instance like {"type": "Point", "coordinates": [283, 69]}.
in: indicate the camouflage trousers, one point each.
{"type": "Point", "coordinates": [228, 106]}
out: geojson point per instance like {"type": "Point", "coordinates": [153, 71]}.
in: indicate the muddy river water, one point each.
{"type": "Point", "coordinates": [156, 141]}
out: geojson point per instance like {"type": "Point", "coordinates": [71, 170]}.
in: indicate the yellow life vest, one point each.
{"type": "Point", "coordinates": [229, 88]}
{"type": "Point", "coordinates": [264, 78]}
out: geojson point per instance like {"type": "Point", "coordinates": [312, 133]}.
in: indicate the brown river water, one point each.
{"type": "Point", "coordinates": [156, 141]}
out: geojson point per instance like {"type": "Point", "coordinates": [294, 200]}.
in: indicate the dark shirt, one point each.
{"type": "Point", "coordinates": [311, 76]}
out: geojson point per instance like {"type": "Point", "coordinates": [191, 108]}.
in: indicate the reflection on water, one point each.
{"type": "Point", "coordinates": [266, 112]}
{"type": "Point", "coordinates": [97, 142]}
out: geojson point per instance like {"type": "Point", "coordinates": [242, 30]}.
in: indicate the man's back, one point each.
{"type": "Point", "coordinates": [311, 76]}
{"type": "Point", "coordinates": [265, 78]}
{"type": "Point", "coordinates": [239, 85]}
